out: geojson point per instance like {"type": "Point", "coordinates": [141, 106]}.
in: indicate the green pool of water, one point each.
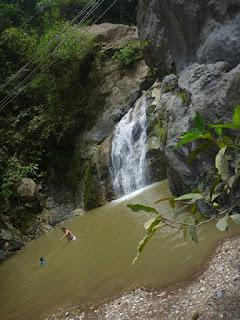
{"type": "Point", "coordinates": [98, 265]}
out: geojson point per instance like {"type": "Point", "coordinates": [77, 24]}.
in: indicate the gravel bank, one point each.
{"type": "Point", "coordinates": [213, 295]}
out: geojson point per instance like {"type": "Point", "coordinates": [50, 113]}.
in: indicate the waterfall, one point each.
{"type": "Point", "coordinates": [128, 169]}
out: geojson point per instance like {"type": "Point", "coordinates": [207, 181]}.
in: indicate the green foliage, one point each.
{"type": "Point", "coordinates": [10, 15]}
{"type": "Point", "coordinates": [190, 196]}
{"type": "Point", "coordinates": [40, 125]}
{"type": "Point", "coordinates": [158, 222]}
{"type": "Point", "coordinates": [13, 173]}
{"type": "Point", "coordinates": [140, 207]}
{"type": "Point", "coordinates": [129, 54]}
{"type": "Point", "coordinates": [220, 193]}
{"type": "Point", "coordinates": [199, 122]}
{"type": "Point", "coordinates": [16, 48]}
{"type": "Point", "coordinates": [153, 74]}
{"type": "Point", "coordinates": [74, 44]}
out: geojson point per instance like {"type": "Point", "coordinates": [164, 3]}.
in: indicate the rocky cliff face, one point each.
{"type": "Point", "coordinates": [199, 42]}
{"type": "Point", "coordinates": [181, 32]}
{"type": "Point", "coordinates": [119, 88]}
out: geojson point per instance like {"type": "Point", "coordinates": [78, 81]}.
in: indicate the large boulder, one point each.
{"type": "Point", "coordinates": [180, 32]}
{"type": "Point", "coordinates": [27, 190]}
{"type": "Point", "coordinates": [112, 36]}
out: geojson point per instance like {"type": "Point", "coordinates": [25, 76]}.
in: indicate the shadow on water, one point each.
{"type": "Point", "coordinates": [98, 264]}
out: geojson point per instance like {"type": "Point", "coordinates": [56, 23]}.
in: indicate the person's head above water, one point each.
{"type": "Point", "coordinates": [64, 229]}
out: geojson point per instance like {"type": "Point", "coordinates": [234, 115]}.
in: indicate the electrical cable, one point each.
{"type": "Point", "coordinates": [5, 100]}
{"type": "Point", "coordinates": [3, 105]}
{"type": "Point", "coordinates": [67, 26]}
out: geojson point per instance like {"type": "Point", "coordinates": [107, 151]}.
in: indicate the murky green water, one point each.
{"type": "Point", "coordinates": [98, 264]}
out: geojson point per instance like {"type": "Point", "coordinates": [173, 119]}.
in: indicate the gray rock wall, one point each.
{"type": "Point", "coordinates": [180, 32]}
{"type": "Point", "coordinates": [200, 42]}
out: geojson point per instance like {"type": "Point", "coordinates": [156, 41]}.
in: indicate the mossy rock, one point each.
{"type": "Point", "coordinates": [91, 188]}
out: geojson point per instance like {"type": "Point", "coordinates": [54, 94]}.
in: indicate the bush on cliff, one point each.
{"type": "Point", "coordinates": [129, 54]}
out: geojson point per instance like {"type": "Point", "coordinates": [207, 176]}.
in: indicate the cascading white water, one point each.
{"type": "Point", "coordinates": [128, 170]}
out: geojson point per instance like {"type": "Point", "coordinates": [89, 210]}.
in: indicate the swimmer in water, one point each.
{"type": "Point", "coordinates": [68, 234]}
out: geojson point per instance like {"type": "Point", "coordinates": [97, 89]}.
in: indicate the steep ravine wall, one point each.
{"type": "Point", "coordinates": [198, 41]}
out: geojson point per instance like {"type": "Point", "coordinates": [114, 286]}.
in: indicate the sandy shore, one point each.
{"type": "Point", "coordinates": [213, 295]}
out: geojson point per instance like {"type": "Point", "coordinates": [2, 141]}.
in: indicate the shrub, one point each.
{"type": "Point", "coordinates": [129, 54]}
{"type": "Point", "coordinates": [14, 172]}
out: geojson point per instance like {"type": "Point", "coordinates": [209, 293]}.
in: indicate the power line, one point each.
{"type": "Point", "coordinates": [6, 100]}
{"type": "Point", "coordinates": [16, 94]}
{"type": "Point", "coordinates": [66, 27]}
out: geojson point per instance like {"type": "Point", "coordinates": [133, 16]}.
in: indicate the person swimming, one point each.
{"type": "Point", "coordinates": [68, 235]}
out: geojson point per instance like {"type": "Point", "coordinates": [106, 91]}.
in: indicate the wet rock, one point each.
{"type": "Point", "coordinates": [3, 255]}
{"type": "Point", "coordinates": [15, 244]}
{"type": "Point", "coordinates": [137, 130]}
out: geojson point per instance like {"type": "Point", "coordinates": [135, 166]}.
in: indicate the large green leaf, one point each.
{"type": "Point", "coordinates": [140, 207]}
{"type": "Point", "coordinates": [143, 242]}
{"type": "Point", "coordinates": [190, 196]}
{"type": "Point", "coordinates": [193, 135]}
{"type": "Point", "coordinates": [236, 116]}
{"type": "Point", "coordinates": [164, 199]}
{"type": "Point", "coordinates": [224, 126]}
{"type": "Point", "coordinates": [199, 122]}
{"type": "Point", "coordinates": [221, 164]}
{"type": "Point", "coordinates": [222, 223]}
{"type": "Point", "coordinates": [150, 224]}
{"type": "Point", "coordinates": [224, 142]}
{"type": "Point", "coordinates": [219, 131]}
{"type": "Point", "coordinates": [189, 137]}
{"type": "Point", "coordinates": [236, 218]}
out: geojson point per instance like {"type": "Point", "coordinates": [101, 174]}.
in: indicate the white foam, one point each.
{"type": "Point", "coordinates": [134, 194]}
